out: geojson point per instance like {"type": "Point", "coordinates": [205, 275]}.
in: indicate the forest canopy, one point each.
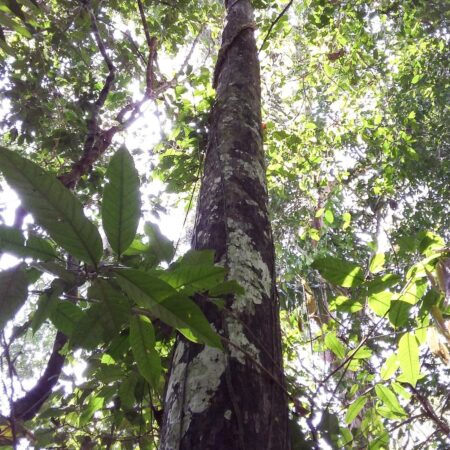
{"type": "Point", "coordinates": [105, 120]}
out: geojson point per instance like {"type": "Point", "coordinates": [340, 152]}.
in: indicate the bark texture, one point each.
{"type": "Point", "coordinates": [234, 399]}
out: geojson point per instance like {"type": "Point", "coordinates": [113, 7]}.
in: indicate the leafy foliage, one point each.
{"type": "Point", "coordinates": [121, 202]}
{"type": "Point", "coordinates": [357, 142]}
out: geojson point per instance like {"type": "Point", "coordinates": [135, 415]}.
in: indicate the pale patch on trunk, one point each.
{"type": "Point", "coordinates": [237, 336]}
{"type": "Point", "coordinates": [190, 390]}
{"type": "Point", "coordinates": [202, 382]}
{"type": "Point", "coordinates": [247, 268]}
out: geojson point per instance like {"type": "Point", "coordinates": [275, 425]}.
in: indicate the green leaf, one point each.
{"type": "Point", "coordinates": [329, 216]}
{"type": "Point", "coordinates": [195, 272]}
{"type": "Point", "coordinates": [380, 302]}
{"type": "Point", "coordinates": [416, 79]}
{"type": "Point", "coordinates": [13, 25]}
{"type": "Point", "coordinates": [380, 283]}
{"type": "Point", "coordinates": [347, 218]}
{"type": "Point", "coordinates": [378, 119]}
{"type": "Point", "coordinates": [400, 390]}
{"type": "Point", "coordinates": [380, 441]}
{"type": "Point", "coordinates": [160, 247]}
{"type": "Point", "coordinates": [13, 292]}
{"type": "Point", "coordinates": [334, 344]}
{"type": "Point", "coordinates": [389, 367]}
{"type": "Point", "coordinates": [46, 304]}
{"type": "Point", "coordinates": [13, 241]}
{"type": "Point", "coordinates": [88, 331]}
{"type": "Point", "coordinates": [121, 204]}
{"type": "Point", "coordinates": [414, 291]}
{"type": "Point", "coordinates": [53, 206]}
{"type": "Point", "coordinates": [164, 302]}
{"type": "Point", "coordinates": [136, 248]}
{"type": "Point", "coordinates": [94, 404]}
{"type": "Point", "coordinates": [114, 307]}
{"type": "Point", "coordinates": [408, 356]}
{"type": "Point", "coordinates": [339, 272]}
{"type": "Point", "coordinates": [29, 4]}
{"type": "Point", "coordinates": [399, 312]}
{"type": "Point", "coordinates": [355, 408]}
{"type": "Point", "coordinates": [226, 288]}
{"type": "Point", "coordinates": [126, 391]}
{"type": "Point", "coordinates": [362, 352]}
{"type": "Point", "coordinates": [57, 269]}
{"type": "Point", "coordinates": [65, 317]}
{"type": "Point", "coordinates": [377, 263]}
{"type": "Point", "coordinates": [429, 242]}
{"type": "Point", "coordinates": [390, 400]}
{"type": "Point", "coordinates": [142, 341]}
{"type": "Point", "coordinates": [40, 249]}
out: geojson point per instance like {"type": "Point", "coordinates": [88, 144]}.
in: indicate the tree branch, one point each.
{"type": "Point", "coordinates": [429, 411]}
{"type": "Point", "coordinates": [151, 44]}
{"type": "Point", "coordinates": [25, 408]}
{"type": "Point", "coordinates": [282, 13]}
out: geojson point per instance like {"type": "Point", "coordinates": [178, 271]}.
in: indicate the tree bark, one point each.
{"type": "Point", "coordinates": [233, 399]}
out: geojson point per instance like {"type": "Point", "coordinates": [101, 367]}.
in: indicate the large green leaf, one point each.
{"type": "Point", "coordinates": [334, 344]}
{"type": "Point", "coordinates": [88, 331]}
{"type": "Point", "coordinates": [94, 404]}
{"type": "Point", "coordinates": [126, 390]}
{"type": "Point", "coordinates": [390, 400]}
{"type": "Point", "coordinates": [165, 303]}
{"type": "Point", "coordinates": [380, 302]}
{"type": "Point", "coordinates": [377, 262]}
{"type": "Point", "coordinates": [195, 272]}
{"type": "Point", "coordinates": [58, 270]}
{"type": "Point", "coordinates": [399, 312]}
{"type": "Point", "coordinates": [53, 206]}
{"type": "Point", "coordinates": [142, 341]}
{"type": "Point", "coordinates": [339, 272]}
{"type": "Point", "coordinates": [13, 292]}
{"type": "Point", "coordinates": [380, 283]}
{"type": "Point", "coordinates": [47, 302]}
{"type": "Point", "coordinates": [355, 408]}
{"type": "Point", "coordinates": [408, 356]}
{"type": "Point", "coordinates": [389, 367]}
{"type": "Point", "coordinates": [13, 241]}
{"type": "Point", "coordinates": [65, 317]}
{"type": "Point", "coordinates": [159, 248]}
{"type": "Point", "coordinates": [114, 306]}
{"type": "Point", "coordinates": [121, 204]}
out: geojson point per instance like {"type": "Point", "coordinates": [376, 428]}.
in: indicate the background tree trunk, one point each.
{"type": "Point", "coordinates": [233, 399]}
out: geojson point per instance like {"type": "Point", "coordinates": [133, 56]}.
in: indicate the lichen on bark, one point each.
{"type": "Point", "coordinates": [223, 400]}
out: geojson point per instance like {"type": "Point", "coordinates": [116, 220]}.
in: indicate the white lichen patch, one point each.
{"type": "Point", "coordinates": [241, 347]}
{"type": "Point", "coordinates": [247, 268]}
{"type": "Point", "coordinates": [202, 381]}
{"type": "Point", "coordinates": [253, 171]}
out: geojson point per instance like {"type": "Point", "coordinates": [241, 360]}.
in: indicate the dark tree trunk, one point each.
{"type": "Point", "coordinates": [234, 399]}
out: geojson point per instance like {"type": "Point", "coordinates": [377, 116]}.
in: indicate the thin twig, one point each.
{"type": "Point", "coordinates": [353, 353]}
{"type": "Point", "coordinates": [430, 412]}
{"type": "Point", "coordinates": [282, 13]}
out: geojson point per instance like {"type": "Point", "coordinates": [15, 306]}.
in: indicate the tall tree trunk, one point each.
{"type": "Point", "coordinates": [233, 399]}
